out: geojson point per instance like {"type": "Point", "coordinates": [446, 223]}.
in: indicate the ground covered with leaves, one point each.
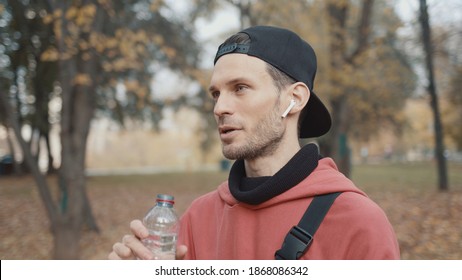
{"type": "Point", "coordinates": [427, 222]}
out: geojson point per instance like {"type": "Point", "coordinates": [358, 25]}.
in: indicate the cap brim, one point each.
{"type": "Point", "coordinates": [317, 120]}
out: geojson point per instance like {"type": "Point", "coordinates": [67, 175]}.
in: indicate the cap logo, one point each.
{"type": "Point", "coordinates": [233, 48]}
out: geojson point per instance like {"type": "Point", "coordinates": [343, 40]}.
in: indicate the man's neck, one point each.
{"type": "Point", "coordinates": [270, 164]}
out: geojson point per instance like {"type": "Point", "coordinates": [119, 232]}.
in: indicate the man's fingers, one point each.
{"type": "Point", "coordinates": [122, 251]}
{"type": "Point", "coordinates": [113, 256]}
{"type": "Point", "coordinates": [137, 248]}
{"type": "Point", "coordinates": [181, 252]}
{"type": "Point", "coordinates": [138, 229]}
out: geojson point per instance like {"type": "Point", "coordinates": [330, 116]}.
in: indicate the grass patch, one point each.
{"type": "Point", "coordinates": [427, 222]}
{"type": "Point", "coordinates": [416, 177]}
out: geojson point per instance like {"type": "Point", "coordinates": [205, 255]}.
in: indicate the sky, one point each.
{"type": "Point", "coordinates": [442, 12]}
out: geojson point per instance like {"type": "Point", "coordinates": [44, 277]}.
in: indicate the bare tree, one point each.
{"type": "Point", "coordinates": [432, 91]}
{"type": "Point", "coordinates": [338, 12]}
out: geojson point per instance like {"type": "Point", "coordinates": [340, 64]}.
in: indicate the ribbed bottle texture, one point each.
{"type": "Point", "coordinates": [163, 225]}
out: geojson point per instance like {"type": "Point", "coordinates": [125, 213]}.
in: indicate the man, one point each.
{"type": "Point", "coordinates": [262, 85]}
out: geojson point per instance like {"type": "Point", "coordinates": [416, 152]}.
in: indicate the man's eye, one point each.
{"type": "Point", "coordinates": [215, 94]}
{"type": "Point", "coordinates": [241, 87]}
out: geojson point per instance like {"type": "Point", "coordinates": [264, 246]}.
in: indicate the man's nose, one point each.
{"type": "Point", "coordinates": [223, 105]}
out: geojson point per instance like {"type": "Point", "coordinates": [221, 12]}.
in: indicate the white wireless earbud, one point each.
{"type": "Point", "coordinates": [291, 105]}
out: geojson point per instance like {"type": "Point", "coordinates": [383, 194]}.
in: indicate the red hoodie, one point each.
{"type": "Point", "coordinates": [216, 226]}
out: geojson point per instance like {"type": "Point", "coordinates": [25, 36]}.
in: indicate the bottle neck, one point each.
{"type": "Point", "coordinates": [164, 204]}
{"type": "Point", "coordinates": [164, 200]}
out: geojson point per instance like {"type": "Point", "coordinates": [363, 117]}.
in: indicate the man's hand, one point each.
{"type": "Point", "coordinates": [181, 251]}
{"type": "Point", "coordinates": [132, 248]}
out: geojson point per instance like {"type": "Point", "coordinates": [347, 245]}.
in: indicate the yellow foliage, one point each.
{"type": "Point", "coordinates": [200, 75]}
{"type": "Point", "coordinates": [69, 41]}
{"type": "Point", "coordinates": [122, 64]}
{"type": "Point", "coordinates": [58, 13]}
{"type": "Point", "coordinates": [99, 48]}
{"type": "Point", "coordinates": [72, 29]}
{"type": "Point", "coordinates": [93, 39]}
{"type": "Point", "coordinates": [83, 45]}
{"type": "Point", "coordinates": [111, 53]}
{"type": "Point", "coordinates": [169, 52]}
{"type": "Point", "coordinates": [57, 29]}
{"type": "Point", "coordinates": [419, 117]}
{"type": "Point", "coordinates": [141, 49]}
{"type": "Point", "coordinates": [132, 85]}
{"type": "Point", "coordinates": [2, 8]}
{"type": "Point", "coordinates": [48, 19]}
{"type": "Point", "coordinates": [141, 92]}
{"type": "Point", "coordinates": [86, 56]}
{"type": "Point", "coordinates": [50, 54]}
{"type": "Point", "coordinates": [119, 65]}
{"type": "Point", "coordinates": [158, 40]}
{"type": "Point", "coordinates": [82, 79]}
{"type": "Point", "coordinates": [89, 10]}
{"type": "Point", "coordinates": [119, 33]}
{"type": "Point", "coordinates": [68, 55]}
{"type": "Point", "coordinates": [113, 82]}
{"type": "Point", "coordinates": [141, 36]}
{"type": "Point", "coordinates": [155, 5]}
{"type": "Point", "coordinates": [111, 43]}
{"type": "Point", "coordinates": [125, 47]}
{"type": "Point", "coordinates": [81, 20]}
{"type": "Point", "coordinates": [97, 41]}
{"type": "Point", "coordinates": [85, 16]}
{"type": "Point", "coordinates": [107, 66]}
{"type": "Point", "coordinates": [140, 104]}
{"type": "Point", "coordinates": [71, 13]}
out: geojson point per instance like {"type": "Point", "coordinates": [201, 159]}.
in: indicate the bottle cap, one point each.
{"type": "Point", "coordinates": [165, 198]}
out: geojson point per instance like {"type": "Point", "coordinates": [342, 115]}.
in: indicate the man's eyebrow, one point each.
{"type": "Point", "coordinates": [231, 82]}
{"type": "Point", "coordinates": [212, 88]}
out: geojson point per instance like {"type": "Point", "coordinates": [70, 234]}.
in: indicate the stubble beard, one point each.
{"type": "Point", "coordinates": [263, 141]}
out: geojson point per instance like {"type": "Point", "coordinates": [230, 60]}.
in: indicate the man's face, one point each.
{"type": "Point", "coordinates": [247, 107]}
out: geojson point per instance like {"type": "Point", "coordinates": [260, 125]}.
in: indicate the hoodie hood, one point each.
{"type": "Point", "coordinates": [324, 179]}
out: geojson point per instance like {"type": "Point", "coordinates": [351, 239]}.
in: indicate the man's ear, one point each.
{"type": "Point", "coordinates": [300, 93]}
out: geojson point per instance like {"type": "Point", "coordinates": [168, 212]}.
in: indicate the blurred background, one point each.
{"type": "Point", "coordinates": [103, 104]}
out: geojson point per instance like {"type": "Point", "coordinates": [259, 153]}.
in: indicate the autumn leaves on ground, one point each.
{"type": "Point", "coordinates": [426, 221]}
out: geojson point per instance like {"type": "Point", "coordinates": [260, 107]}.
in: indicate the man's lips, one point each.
{"type": "Point", "coordinates": [225, 129]}
{"type": "Point", "coordinates": [228, 132]}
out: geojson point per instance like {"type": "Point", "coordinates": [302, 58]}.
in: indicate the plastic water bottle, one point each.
{"type": "Point", "coordinates": [163, 226]}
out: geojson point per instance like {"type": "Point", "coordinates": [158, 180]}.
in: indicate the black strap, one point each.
{"type": "Point", "coordinates": [299, 238]}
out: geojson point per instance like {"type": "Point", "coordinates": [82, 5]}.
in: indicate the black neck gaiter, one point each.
{"type": "Point", "coordinates": [256, 190]}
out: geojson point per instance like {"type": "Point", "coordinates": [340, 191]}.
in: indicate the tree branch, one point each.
{"type": "Point", "coordinates": [362, 41]}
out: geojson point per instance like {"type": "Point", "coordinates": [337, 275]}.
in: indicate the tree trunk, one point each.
{"type": "Point", "coordinates": [17, 170]}
{"type": "Point", "coordinates": [90, 221]}
{"type": "Point", "coordinates": [42, 184]}
{"type": "Point", "coordinates": [337, 139]}
{"type": "Point", "coordinates": [51, 167]}
{"type": "Point", "coordinates": [438, 127]}
{"type": "Point", "coordinates": [66, 240]}
{"type": "Point", "coordinates": [78, 105]}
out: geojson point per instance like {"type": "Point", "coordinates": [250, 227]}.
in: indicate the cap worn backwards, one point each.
{"type": "Point", "coordinates": [286, 51]}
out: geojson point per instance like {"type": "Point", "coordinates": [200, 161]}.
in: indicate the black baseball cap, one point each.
{"type": "Point", "coordinates": [292, 55]}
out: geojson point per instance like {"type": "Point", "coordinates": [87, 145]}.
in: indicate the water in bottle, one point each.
{"type": "Point", "coordinates": [163, 226]}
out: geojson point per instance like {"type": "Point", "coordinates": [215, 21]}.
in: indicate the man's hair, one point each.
{"type": "Point", "coordinates": [280, 79]}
